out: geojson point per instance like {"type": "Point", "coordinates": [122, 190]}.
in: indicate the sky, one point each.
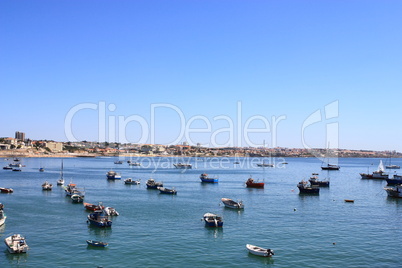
{"type": "Point", "coordinates": [291, 73]}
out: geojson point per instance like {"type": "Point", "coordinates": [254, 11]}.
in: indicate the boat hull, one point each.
{"type": "Point", "coordinates": [255, 185]}
{"type": "Point", "coordinates": [259, 251]}
{"type": "Point", "coordinates": [229, 203]}
{"type": "Point", "coordinates": [97, 243]}
{"type": "Point", "coordinates": [99, 223]}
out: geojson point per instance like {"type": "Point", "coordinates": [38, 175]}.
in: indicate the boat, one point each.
{"type": "Point", "coordinates": [41, 169]}
{"type": "Point", "coordinates": [61, 180]}
{"type": "Point", "coordinates": [15, 165]}
{"type": "Point", "coordinates": [349, 200]}
{"type": "Point", "coordinates": [134, 164]}
{"type": "Point", "coordinates": [70, 189]}
{"type": "Point", "coordinates": [131, 181]}
{"type": "Point", "coordinates": [183, 166]}
{"type": "Point", "coordinates": [109, 211]}
{"type": "Point", "coordinates": [77, 198]}
{"type": "Point", "coordinates": [16, 159]}
{"type": "Point", "coordinates": [17, 169]}
{"type": "Point", "coordinates": [16, 244]}
{"type": "Point", "coordinates": [6, 190]}
{"type": "Point", "coordinates": [236, 163]}
{"type": "Point", "coordinates": [396, 179]}
{"type": "Point", "coordinates": [306, 188]}
{"type": "Point", "coordinates": [99, 218]}
{"type": "Point", "coordinates": [390, 165]}
{"type": "Point", "coordinates": [204, 178]}
{"type": "Point", "coordinates": [47, 186]}
{"type": "Point", "coordinates": [330, 167]}
{"type": "Point", "coordinates": [3, 216]}
{"type": "Point", "coordinates": [97, 243]}
{"type": "Point", "coordinates": [394, 191]}
{"type": "Point", "coordinates": [152, 184]}
{"type": "Point", "coordinates": [213, 220]}
{"type": "Point", "coordinates": [250, 183]}
{"type": "Point", "coordinates": [7, 167]}
{"type": "Point", "coordinates": [263, 164]}
{"type": "Point", "coordinates": [259, 251]}
{"type": "Point", "coordinates": [378, 174]}
{"type": "Point", "coordinates": [164, 190]}
{"type": "Point", "coordinates": [118, 162]}
{"type": "Point", "coordinates": [229, 203]}
{"type": "Point", "coordinates": [315, 182]}
{"type": "Point", "coordinates": [112, 175]}
{"type": "Point", "coordinates": [93, 207]}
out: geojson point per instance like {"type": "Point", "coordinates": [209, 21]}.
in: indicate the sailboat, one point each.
{"type": "Point", "coordinates": [390, 166]}
{"type": "Point", "coordinates": [61, 180]}
{"type": "Point", "coordinates": [378, 174]}
{"type": "Point", "coordinates": [329, 166]}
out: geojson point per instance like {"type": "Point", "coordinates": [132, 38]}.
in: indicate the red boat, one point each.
{"type": "Point", "coordinates": [6, 190]}
{"type": "Point", "coordinates": [93, 207]}
{"type": "Point", "coordinates": [251, 184]}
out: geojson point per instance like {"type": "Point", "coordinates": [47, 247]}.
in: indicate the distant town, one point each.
{"type": "Point", "coordinates": [23, 147]}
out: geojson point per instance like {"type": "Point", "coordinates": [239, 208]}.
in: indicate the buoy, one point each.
{"type": "Point", "coordinates": [333, 243]}
{"type": "Point", "coordinates": [294, 209]}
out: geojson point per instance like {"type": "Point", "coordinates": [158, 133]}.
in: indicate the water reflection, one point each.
{"type": "Point", "coordinates": [16, 259]}
{"type": "Point", "coordinates": [98, 232]}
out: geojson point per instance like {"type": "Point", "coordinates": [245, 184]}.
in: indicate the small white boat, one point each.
{"type": "Point", "coordinates": [77, 198]}
{"type": "Point", "coordinates": [259, 251]}
{"type": "Point", "coordinates": [3, 216]}
{"type": "Point", "coordinates": [109, 211]}
{"type": "Point", "coordinates": [229, 203]}
{"type": "Point", "coordinates": [16, 244]}
{"type": "Point", "coordinates": [183, 166]}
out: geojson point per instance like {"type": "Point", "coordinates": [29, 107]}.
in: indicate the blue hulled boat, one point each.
{"type": "Point", "coordinates": [213, 220]}
{"type": "Point", "coordinates": [99, 219]}
{"type": "Point", "coordinates": [204, 178]}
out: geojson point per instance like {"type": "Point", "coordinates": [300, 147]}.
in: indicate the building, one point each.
{"type": "Point", "coordinates": [20, 135]}
{"type": "Point", "coordinates": [54, 146]}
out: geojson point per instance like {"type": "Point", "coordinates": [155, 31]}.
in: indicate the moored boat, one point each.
{"type": "Point", "coordinates": [330, 167]}
{"type": "Point", "coordinates": [93, 207]}
{"type": "Point", "coordinates": [112, 175]}
{"type": "Point", "coordinates": [152, 184]}
{"type": "Point", "coordinates": [118, 162]}
{"type": "Point", "coordinates": [109, 211]}
{"type": "Point", "coordinates": [134, 164]}
{"type": "Point", "coordinates": [17, 169]}
{"type": "Point", "coordinates": [16, 244]}
{"type": "Point", "coordinates": [378, 174]}
{"type": "Point", "coordinates": [70, 188]}
{"type": "Point", "coordinates": [164, 190]}
{"type": "Point", "coordinates": [314, 181]}
{"type": "Point", "coordinates": [77, 197]}
{"type": "Point", "coordinates": [259, 251]}
{"type": "Point", "coordinates": [41, 169]}
{"type": "Point", "coordinates": [250, 183]}
{"type": "Point", "coordinates": [3, 216]}
{"type": "Point", "coordinates": [306, 188]}
{"type": "Point", "coordinates": [265, 165]}
{"type": "Point", "coordinates": [394, 191]}
{"type": "Point", "coordinates": [60, 181]}
{"type": "Point", "coordinates": [6, 190]}
{"type": "Point", "coordinates": [99, 219]}
{"type": "Point", "coordinates": [204, 178]}
{"type": "Point", "coordinates": [97, 243]}
{"type": "Point", "coordinates": [229, 203]}
{"type": "Point", "coordinates": [7, 167]}
{"type": "Point", "coordinates": [213, 220]}
{"type": "Point", "coordinates": [46, 186]}
{"type": "Point", "coordinates": [183, 166]}
{"type": "Point", "coordinates": [131, 181]}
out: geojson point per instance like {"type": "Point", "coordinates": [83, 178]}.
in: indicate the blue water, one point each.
{"type": "Point", "coordinates": [155, 230]}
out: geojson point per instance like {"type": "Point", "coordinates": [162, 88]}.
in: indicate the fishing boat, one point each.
{"type": "Point", "coordinates": [396, 179]}
{"type": "Point", "coordinates": [183, 166]}
{"type": "Point", "coordinates": [259, 251]}
{"type": "Point", "coordinates": [204, 178]}
{"type": "Point", "coordinates": [394, 191]}
{"type": "Point", "coordinates": [7, 167]}
{"type": "Point", "coordinates": [16, 159]}
{"type": "Point", "coordinates": [16, 244]}
{"type": "Point", "coordinates": [134, 164]}
{"type": "Point", "coordinates": [213, 220]}
{"type": "Point", "coordinates": [41, 169]}
{"type": "Point", "coordinates": [164, 190]}
{"type": "Point", "coordinates": [97, 243]}
{"type": "Point", "coordinates": [77, 198]}
{"type": "Point", "coordinates": [229, 203]}
{"type": "Point", "coordinates": [330, 167]}
{"type": "Point", "coordinates": [46, 186]}
{"type": "Point", "coordinates": [15, 165]}
{"type": "Point", "coordinates": [314, 181]}
{"type": "Point", "coordinates": [3, 216]}
{"type": "Point", "coordinates": [112, 175]}
{"type": "Point", "coordinates": [118, 162]}
{"type": "Point", "coordinates": [17, 169]}
{"type": "Point", "coordinates": [6, 190]}
{"type": "Point", "coordinates": [306, 188]}
{"type": "Point", "coordinates": [109, 211]}
{"type": "Point", "coordinates": [378, 174]}
{"type": "Point", "coordinates": [70, 189]}
{"type": "Point", "coordinates": [152, 184]}
{"type": "Point", "coordinates": [263, 164]}
{"type": "Point", "coordinates": [250, 183]}
{"type": "Point", "coordinates": [99, 218]}
{"type": "Point", "coordinates": [93, 207]}
{"type": "Point", "coordinates": [60, 181]}
{"type": "Point", "coordinates": [131, 181]}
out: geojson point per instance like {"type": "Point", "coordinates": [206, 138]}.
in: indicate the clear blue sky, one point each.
{"type": "Point", "coordinates": [275, 58]}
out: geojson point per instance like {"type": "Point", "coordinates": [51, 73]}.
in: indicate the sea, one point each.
{"type": "Point", "coordinates": [158, 230]}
